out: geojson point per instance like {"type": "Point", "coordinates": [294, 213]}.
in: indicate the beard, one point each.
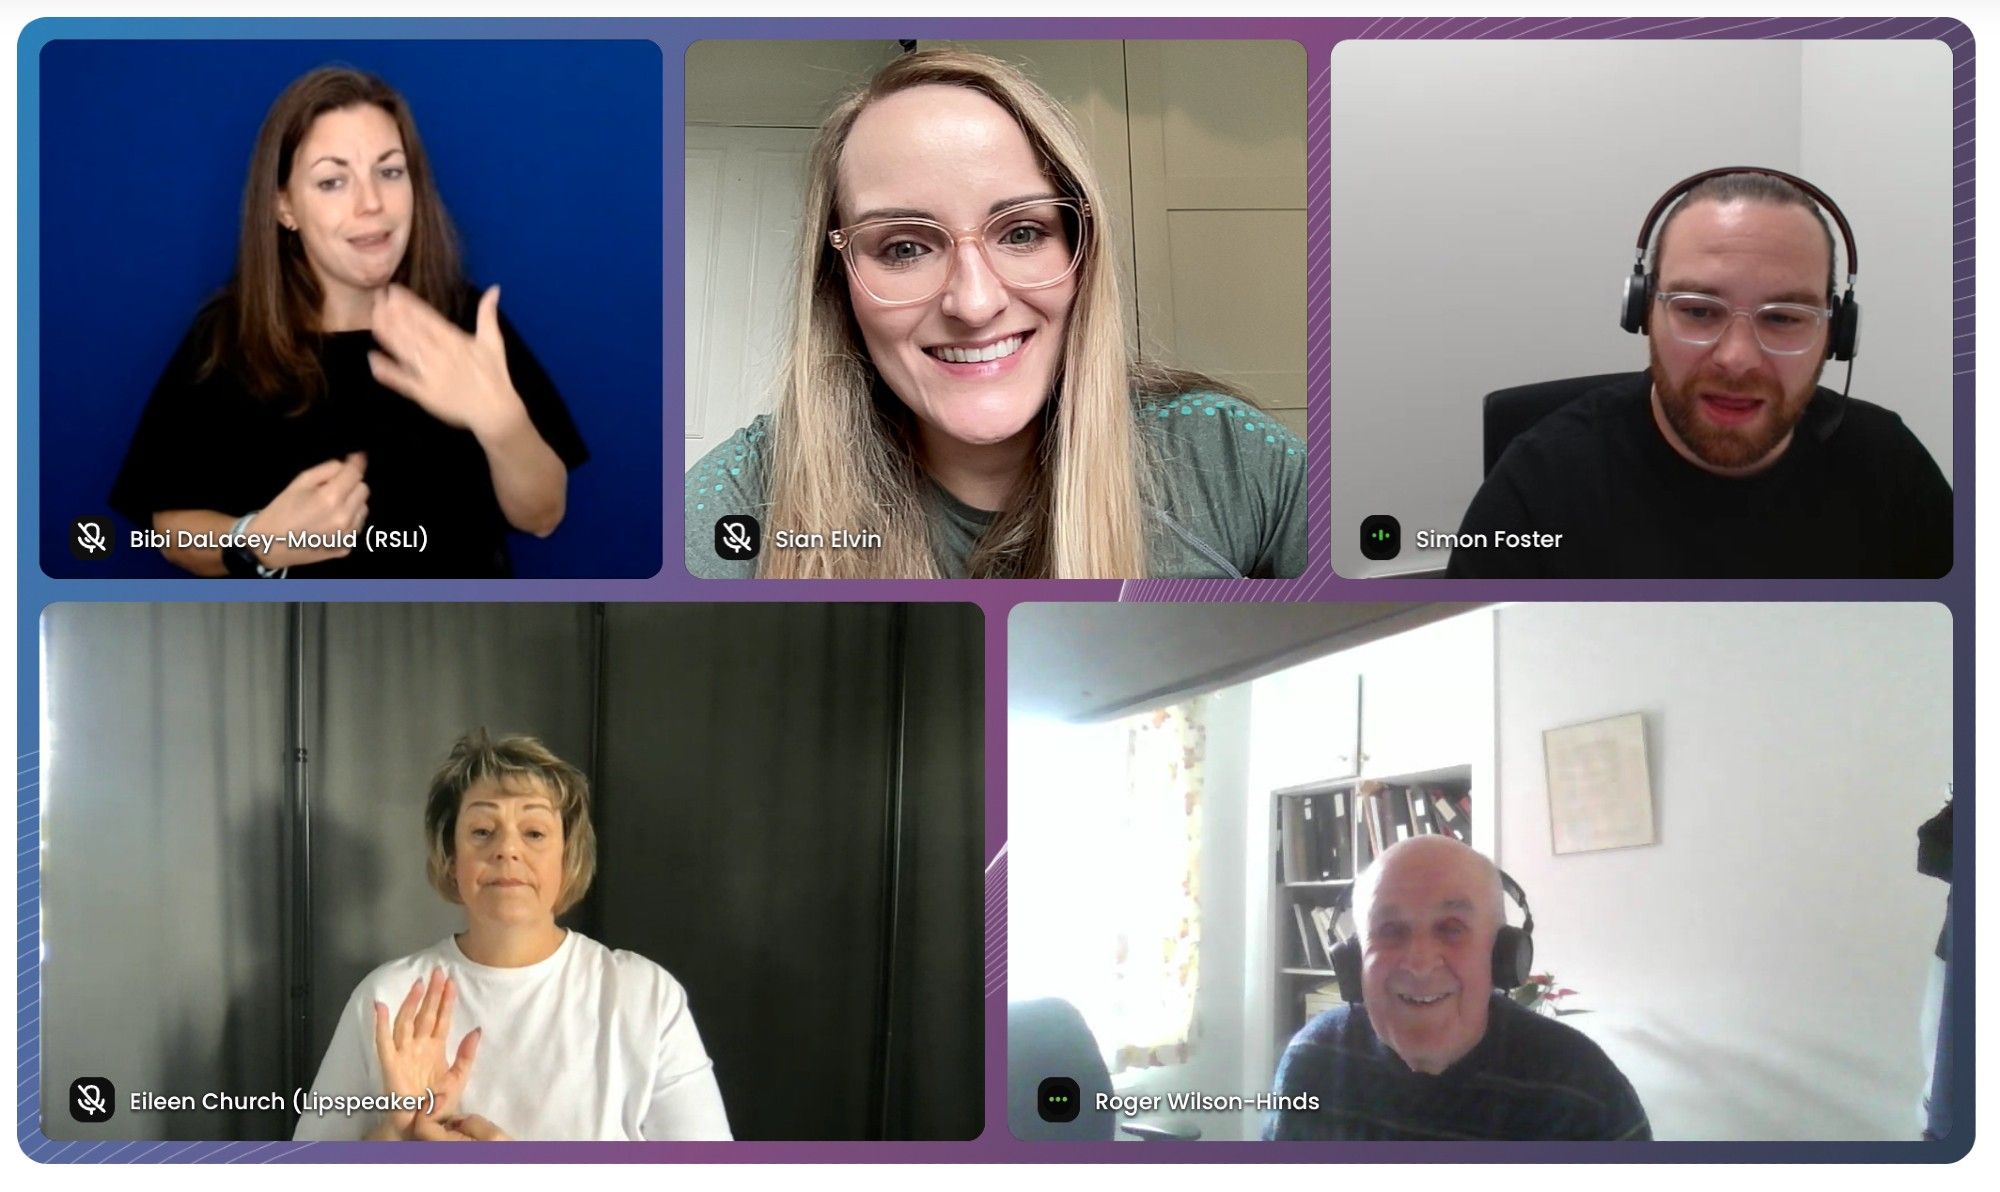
{"type": "Point", "coordinates": [1730, 446]}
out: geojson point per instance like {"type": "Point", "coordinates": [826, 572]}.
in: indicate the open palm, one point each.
{"type": "Point", "coordinates": [411, 1049]}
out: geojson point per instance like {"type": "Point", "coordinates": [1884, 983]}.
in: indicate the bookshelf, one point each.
{"type": "Point", "coordinates": [1327, 832]}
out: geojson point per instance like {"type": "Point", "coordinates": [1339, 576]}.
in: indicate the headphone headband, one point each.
{"type": "Point", "coordinates": [1635, 312]}
{"type": "Point", "coordinates": [1689, 183]}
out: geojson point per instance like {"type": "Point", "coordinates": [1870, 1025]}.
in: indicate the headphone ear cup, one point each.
{"type": "Point", "coordinates": [1347, 969]}
{"type": "Point", "coordinates": [1513, 957]}
{"type": "Point", "coordinates": [1845, 335]}
{"type": "Point", "coordinates": [1638, 300]}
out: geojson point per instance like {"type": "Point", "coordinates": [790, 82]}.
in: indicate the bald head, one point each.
{"type": "Point", "coordinates": [1423, 864]}
{"type": "Point", "coordinates": [1428, 910]}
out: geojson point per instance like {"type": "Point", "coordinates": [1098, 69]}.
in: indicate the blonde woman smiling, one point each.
{"type": "Point", "coordinates": [516, 1027]}
{"type": "Point", "coordinates": [958, 398]}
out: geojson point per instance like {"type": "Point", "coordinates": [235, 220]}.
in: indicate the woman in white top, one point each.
{"type": "Point", "coordinates": [515, 1027]}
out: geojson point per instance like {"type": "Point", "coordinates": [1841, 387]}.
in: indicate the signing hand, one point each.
{"type": "Point", "coordinates": [328, 498]}
{"type": "Point", "coordinates": [470, 1128]}
{"type": "Point", "coordinates": [459, 379]}
{"type": "Point", "coordinates": [412, 1050]}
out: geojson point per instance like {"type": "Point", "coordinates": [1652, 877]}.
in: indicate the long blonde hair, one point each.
{"type": "Point", "coordinates": [844, 448]}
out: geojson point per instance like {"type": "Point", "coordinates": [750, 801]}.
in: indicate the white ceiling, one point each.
{"type": "Point", "coordinates": [1089, 661]}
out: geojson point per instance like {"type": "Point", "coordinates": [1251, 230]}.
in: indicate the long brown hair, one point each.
{"type": "Point", "coordinates": [844, 451]}
{"type": "Point", "coordinates": [268, 331]}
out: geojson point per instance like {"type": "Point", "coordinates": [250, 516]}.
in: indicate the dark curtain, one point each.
{"type": "Point", "coordinates": [937, 1041]}
{"type": "Point", "coordinates": [749, 775]}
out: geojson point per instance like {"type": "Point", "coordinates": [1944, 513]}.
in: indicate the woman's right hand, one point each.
{"type": "Point", "coordinates": [470, 1128]}
{"type": "Point", "coordinates": [328, 498]}
{"type": "Point", "coordinates": [411, 1050]}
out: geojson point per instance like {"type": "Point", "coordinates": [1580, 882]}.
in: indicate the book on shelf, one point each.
{"type": "Point", "coordinates": [1328, 853]}
{"type": "Point", "coordinates": [1291, 841]}
{"type": "Point", "coordinates": [1421, 821]}
{"type": "Point", "coordinates": [1452, 813]}
{"type": "Point", "coordinates": [1321, 998]}
{"type": "Point", "coordinates": [1312, 953]}
{"type": "Point", "coordinates": [1310, 823]}
{"type": "Point", "coordinates": [1341, 828]}
{"type": "Point", "coordinates": [1399, 811]}
{"type": "Point", "coordinates": [1333, 928]}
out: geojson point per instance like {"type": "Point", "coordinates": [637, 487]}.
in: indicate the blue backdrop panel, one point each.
{"type": "Point", "coordinates": [548, 155]}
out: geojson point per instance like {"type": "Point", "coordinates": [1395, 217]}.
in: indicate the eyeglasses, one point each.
{"type": "Point", "coordinates": [901, 262]}
{"type": "Point", "coordinates": [1782, 328]}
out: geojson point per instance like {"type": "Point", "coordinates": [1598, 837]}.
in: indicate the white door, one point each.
{"type": "Point", "coordinates": [744, 187]}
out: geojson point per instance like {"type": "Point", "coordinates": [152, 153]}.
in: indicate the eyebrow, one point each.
{"type": "Point", "coordinates": [341, 161]}
{"type": "Point", "coordinates": [1797, 297]}
{"type": "Point", "coordinates": [537, 805]}
{"type": "Point", "coordinates": [1391, 910]}
{"type": "Point", "coordinates": [998, 206]}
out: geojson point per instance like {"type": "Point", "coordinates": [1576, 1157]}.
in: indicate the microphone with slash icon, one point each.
{"type": "Point", "coordinates": [736, 537]}
{"type": "Point", "coordinates": [93, 539]}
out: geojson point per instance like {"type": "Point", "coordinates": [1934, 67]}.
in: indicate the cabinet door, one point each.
{"type": "Point", "coordinates": [1307, 723]}
{"type": "Point", "coordinates": [1219, 212]}
{"type": "Point", "coordinates": [744, 186]}
{"type": "Point", "coordinates": [1428, 700]}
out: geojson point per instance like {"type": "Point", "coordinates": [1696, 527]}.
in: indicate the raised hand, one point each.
{"type": "Point", "coordinates": [329, 498]}
{"type": "Point", "coordinates": [459, 379]}
{"type": "Point", "coordinates": [411, 1050]}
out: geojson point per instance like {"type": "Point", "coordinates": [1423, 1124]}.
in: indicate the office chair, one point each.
{"type": "Point", "coordinates": [1047, 1038]}
{"type": "Point", "coordinates": [1509, 412]}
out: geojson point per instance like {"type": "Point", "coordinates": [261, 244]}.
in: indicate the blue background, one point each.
{"type": "Point", "coordinates": [549, 158]}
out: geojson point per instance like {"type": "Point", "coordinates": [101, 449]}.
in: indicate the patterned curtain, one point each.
{"type": "Point", "coordinates": [1157, 872]}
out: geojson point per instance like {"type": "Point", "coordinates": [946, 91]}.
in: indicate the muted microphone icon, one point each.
{"type": "Point", "coordinates": [90, 1099]}
{"type": "Point", "coordinates": [738, 536]}
{"type": "Point", "coordinates": [90, 538]}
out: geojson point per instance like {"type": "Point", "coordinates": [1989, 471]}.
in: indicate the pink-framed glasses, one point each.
{"type": "Point", "coordinates": [903, 261]}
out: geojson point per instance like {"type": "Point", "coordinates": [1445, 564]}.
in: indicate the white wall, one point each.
{"type": "Point", "coordinates": [1485, 200]}
{"type": "Point", "coordinates": [1875, 133]}
{"type": "Point", "coordinates": [1758, 973]}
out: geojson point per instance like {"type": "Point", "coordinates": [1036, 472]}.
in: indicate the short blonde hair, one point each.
{"type": "Point", "coordinates": [510, 762]}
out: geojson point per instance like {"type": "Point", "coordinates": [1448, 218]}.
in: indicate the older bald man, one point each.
{"type": "Point", "coordinates": [1435, 1051]}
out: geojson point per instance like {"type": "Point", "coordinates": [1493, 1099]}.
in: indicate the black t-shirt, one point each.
{"type": "Point", "coordinates": [208, 443]}
{"type": "Point", "coordinates": [1854, 495]}
{"type": "Point", "coordinates": [1528, 1078]}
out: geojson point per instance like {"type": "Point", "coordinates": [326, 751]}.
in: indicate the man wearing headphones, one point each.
{"type": "Point", "coordinates": [1725, 458]}
{"type": "Point", "coordinates": [1435, 1050]}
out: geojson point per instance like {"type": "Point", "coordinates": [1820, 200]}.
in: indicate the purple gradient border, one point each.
{"type": "Point", "coordinates": [997, 599]}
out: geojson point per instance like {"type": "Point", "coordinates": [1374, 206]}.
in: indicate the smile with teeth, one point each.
{"type": "Point", "coordinates": [997, 350]}
{"type": "Point", "coordinates": [1432, 1000]}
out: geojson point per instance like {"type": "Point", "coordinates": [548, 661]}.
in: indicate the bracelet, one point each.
{"type": "Point", "coordinates": [236, 531]}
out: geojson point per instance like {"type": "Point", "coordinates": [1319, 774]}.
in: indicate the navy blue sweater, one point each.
{"type": "Point", "coordinates": [1530, 1077]}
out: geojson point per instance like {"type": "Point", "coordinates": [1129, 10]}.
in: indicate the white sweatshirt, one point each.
{"type": "Point", "coordinates": [588, 1044]}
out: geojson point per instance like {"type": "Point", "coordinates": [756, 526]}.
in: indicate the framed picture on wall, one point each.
{"type": "Point", "coordinates": [1600, 791]}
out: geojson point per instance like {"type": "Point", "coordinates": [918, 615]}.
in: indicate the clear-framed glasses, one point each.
{"type": "Point", "coordinates": [901, 262]}
{"type": "Point", "coordinates": [1782, 328]}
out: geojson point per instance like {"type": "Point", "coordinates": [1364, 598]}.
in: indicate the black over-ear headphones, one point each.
{"type": "Point", "coordinates": [1513, 948]}
{"type": "Point", "coordinates": [1845, 334]}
